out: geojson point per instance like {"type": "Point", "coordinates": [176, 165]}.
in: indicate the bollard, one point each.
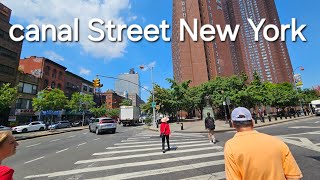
{"type": "Point", "coordinates": [298, 114]}
{"type": "Point", "coordinates": [280, 116]}
{"type": "Point", "coordinates": [276, 118]}
{"type": "Point", "coordinates": [285, 116]}
{"type": "Point", "coordinates": [157, 125]}
{"type": "Point", "coordinates": [181, 126]}
{"type": "Point", "coordinates": [255, 120]}
{"type": "Point", "coordinates": [262, 119]}
{"type": "Point", "coordinates": [290, 116]}
{"type": "Point", "coordinates": [269, 117]}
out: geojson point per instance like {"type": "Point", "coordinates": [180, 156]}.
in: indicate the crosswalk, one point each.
{"type": "Point", "coordinates": [191, 156]}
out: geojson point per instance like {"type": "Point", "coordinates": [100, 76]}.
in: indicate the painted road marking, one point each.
{"type": "Point", "coordinates": [33, 145]}
{"type": "Point", "coordinates": [62, 150]}
{"type": "Point", "coordinates": [34, 160]}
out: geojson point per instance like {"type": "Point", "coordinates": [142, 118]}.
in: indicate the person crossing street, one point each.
{"type": "Point", "coordinates": [210, 126]}
{"type": "Point", "coordinates": [165, 132]}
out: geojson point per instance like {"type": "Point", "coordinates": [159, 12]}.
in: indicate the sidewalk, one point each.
{"type": "Point", "coordinates": [31, 135]}
{"type": "Point", "coordinates": [221, 126]}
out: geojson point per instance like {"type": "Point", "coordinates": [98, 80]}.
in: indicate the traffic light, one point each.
{"type": "Point", "coordinates": [96, 83]}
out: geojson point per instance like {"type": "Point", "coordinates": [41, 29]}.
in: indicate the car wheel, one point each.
{"type": "Point", "coordinates": [24, 130]}
{"type": "Point", "coordinates": [90, 129]}
{"type": "Point", "coordinates": [41, 129]}
{"type": "Point", "coordinates": [113, 131]}
{"type": "Point", "coordinates": [97, 131]}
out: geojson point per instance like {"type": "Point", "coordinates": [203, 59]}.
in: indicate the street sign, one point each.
{"type": "Point", "coordinates": [158, 107]}
{"type": "Point", "coordinates": [228, 101]}
{"type": "Point", "coordinates": [153, 104]}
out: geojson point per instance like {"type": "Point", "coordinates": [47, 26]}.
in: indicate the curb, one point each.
{"type": "Point", "coordinates": [232, 129]}
{"type": "Point", "coordinates": [49, 134]}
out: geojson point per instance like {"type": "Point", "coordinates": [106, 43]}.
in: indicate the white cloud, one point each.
{"type": "Point", "coordinates": [53, 56]}
{"type": "Point", "coordinates": [132, 18]}
{"type": "Point", "coordinates": [59, 12]}
{"type": "Point", "coordinates": [84, 71]}
{"type": "Point", "coordinates": [148, 66]}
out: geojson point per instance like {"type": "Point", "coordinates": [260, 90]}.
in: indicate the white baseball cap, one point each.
{"type": "Point", "coordinates": [241, 114]}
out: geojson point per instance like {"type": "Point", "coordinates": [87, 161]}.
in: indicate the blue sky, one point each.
{"type": "Point", "coordinates": [88, 59]}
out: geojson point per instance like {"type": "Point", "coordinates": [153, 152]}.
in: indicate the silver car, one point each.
{"type": "Point", "coordinates": [102, 124]}
{"type": "Point", "coordinates": [4, 128]}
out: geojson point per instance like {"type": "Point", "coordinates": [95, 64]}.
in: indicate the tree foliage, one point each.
{"type": "Point", "coordinates": [98, 111]}
{"type": "Point", "coordinates": [8, 95]}
{"type": "Point", "coordinates": [81, 102]}
{"type": "Point", "coordinates": [50, 100]}
{"type": "Point", "coordinates": [126, 102]}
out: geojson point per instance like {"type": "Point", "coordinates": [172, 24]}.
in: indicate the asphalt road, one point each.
{"type": "Point", "coordinates": [135, 153]}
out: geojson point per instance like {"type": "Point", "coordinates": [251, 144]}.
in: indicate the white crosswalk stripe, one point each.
{"type": "Point", "coordinates": [189, 152]}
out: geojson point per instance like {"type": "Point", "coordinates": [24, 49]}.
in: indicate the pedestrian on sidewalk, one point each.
{"type": "Point", "coordinates": [8, 147]}
{"type": "Point", "coordinates": [165, 132]}
{"type": "Point", "coordinates": [251, 155]}
{"type": "Point", "coordinates": [210, 126]}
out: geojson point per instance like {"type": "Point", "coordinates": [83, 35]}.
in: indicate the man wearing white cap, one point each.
{"type": "Point", "coordinates": [251, 155]}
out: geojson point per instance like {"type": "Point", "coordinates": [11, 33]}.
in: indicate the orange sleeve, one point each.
{"type": "Point", "coordinates": [231, 168]}
{"type": "Point", "coordinates": [290, 166]}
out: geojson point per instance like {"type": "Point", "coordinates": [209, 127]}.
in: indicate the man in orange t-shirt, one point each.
{"type": "Point", "coordinates": [251, 155]}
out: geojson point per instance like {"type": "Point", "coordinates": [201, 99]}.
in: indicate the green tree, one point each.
{"type": "Point", "coordinates": [8, 95]}
{"type": "Point", "coordinates": [53, 100]}
{"type": "Point", "coordinates": [98, 111]}
{"type": "Point", "coordinates": [81, 103]}
{"type": "Point", "coordinates": [126, 102]}
{"type": "Point", "coordinates": [113, 113]}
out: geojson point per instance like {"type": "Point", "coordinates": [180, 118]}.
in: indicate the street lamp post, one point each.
{"type": "Point", "coordinates": [296, 88]}
{"type": "Point", "coordinates": [154, 123]}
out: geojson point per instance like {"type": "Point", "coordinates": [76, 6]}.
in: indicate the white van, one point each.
{"type": "Point", "coordinates": [316, 105]}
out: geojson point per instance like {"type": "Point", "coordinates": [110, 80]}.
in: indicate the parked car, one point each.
{"type": "Point", "coordinates": [60, 124]}
{"type": "Point", "coordinates": [33, 126]}
{"type": "Point", "coordinates": [76, 123]}
{"type": "Point", "coordinates": [4, 128]}
{"type": "Point", "coordinates": [101, 124]}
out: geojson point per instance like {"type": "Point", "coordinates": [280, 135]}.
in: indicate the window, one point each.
{"type": "Point", "coordinates": [91, 89]}
{"type": "Point", "coordinates": [60, 75]}
{"type": "Point", "coordinates": [53, 85]}
{"type": "Point", "coordinates": [85, 88]}
{"type": "Point", "coordinates": [54, 73]}
{"type": "Point", "coordinates": [47, 70]}
{"type": "Point", "coordinates": [27, 88]}
{"type": "Point", "coordinates": [59, 86]}
{"type": "Point", "coordinates": [24, 104]}
{"type": "Point", "coordinates": [6, 70]}
{"type": "Point", "coordinates": [45, 84]}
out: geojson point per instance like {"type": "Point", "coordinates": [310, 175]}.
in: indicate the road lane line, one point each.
{"type": "Point", "coordinates": [124, 142]}
{"type": "Point", "coordinates": [33, 145]}
{"type": "Point", "coordinates": [85, 133]}
{"type": "Point", "coordinates": [147, 154]}
{"type": "Point", "coordinates": [135, 164]}
{"type": "Point", "coordinates": [215, 176]}
{"type": "Point", "coordinates": [72, 136]}
{"type": "Point", "coordinates": [96, 139]}
{"type": "Point", "coordinates": [154, 144]}
{"type": "Point", "coordinates": [62, 150]}
{"type": "Point", "coordinates": [55, 140]}
{"type": "Point", "coordinates": [148, 149]}
{"type": "Point", "coordinates": [161, 171]}
{"type": "Point", "coordinates": [82, 144]}
{"type": "Point", "coordinates": [34, 160]}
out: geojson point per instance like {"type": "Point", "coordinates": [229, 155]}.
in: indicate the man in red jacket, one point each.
{"type": "Point", "coordinates": [165, 132]}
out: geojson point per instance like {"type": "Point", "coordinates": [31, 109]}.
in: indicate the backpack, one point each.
{"type": "Point", "coordinates": [210, 123]}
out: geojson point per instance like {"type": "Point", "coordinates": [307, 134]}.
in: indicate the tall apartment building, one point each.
{"type": "Point", "coordinates": [201, 61]}
{"type": "Point", "coordinates": [269, 59]}
{"type": "Point", "coordinates": [9, 50]}
{"type": "Point", "coordinates": [127, 83]}
{"type": "Point", "coordinates": [9, 56]}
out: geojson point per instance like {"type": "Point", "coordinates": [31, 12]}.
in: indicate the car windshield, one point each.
{"type": "Point", "coordinates": [318, 105]}
{"type": "Point", "coordinates": [107, 121]}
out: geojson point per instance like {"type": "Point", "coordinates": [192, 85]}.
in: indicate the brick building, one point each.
{"type": "Point", "coordinates": [269, 59]}
{"type": "Point", "coordinates": [201, 61]}
{"type": "Point", "coordinates": [9, 50]}
{"type": "Point", "coordinates": [75, 83]}
{"type": "Point", "coordinates": [50, 73]}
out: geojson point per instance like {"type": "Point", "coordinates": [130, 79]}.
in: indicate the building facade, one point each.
{"type": "Point", "coordinates": [75, 83]}
{"type": "Point", "coordinates": [50, 73]}
{"type": "Point", "coordinates": [269, 59]}
{"type": "Point", "coordinates": [112, 100]}
{"type": "Point", "coordinates": [201, 61]}
{"type": "Point", "coordinates": [9, 50]}
{"type": "Point", "coordinates": [128, 83]}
